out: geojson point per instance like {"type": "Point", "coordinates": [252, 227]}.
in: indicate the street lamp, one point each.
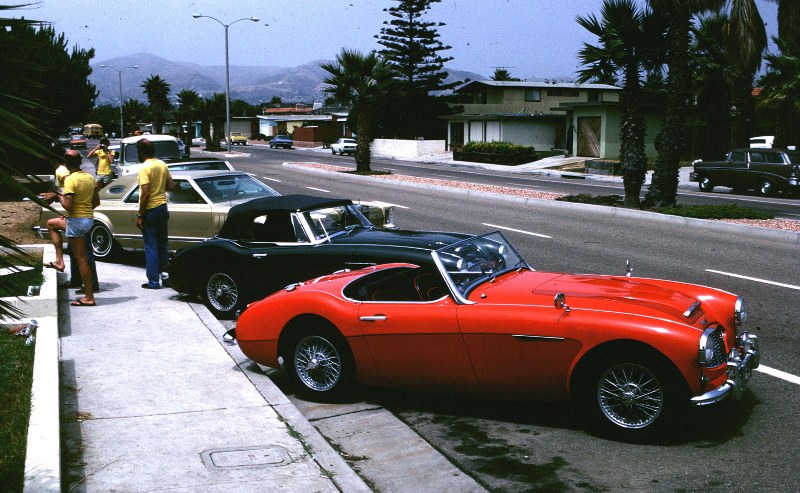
{"type": "Point", "coordinates": [121, 119]}
{"type": "Point", "coordinates": [227, 72]}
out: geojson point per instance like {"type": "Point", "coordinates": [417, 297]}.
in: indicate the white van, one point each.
{"type": "Point", "coordinates": [126, 162]}
{"type": "Point", "coordinates": [762, 142]}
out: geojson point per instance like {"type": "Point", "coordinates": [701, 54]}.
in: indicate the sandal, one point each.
{"type": "Point", "coordinates": [53, 266]}
{"type": "Point", "coordinates": [80, 302]}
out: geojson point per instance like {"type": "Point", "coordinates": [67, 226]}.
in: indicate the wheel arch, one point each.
{"type": "Point", "coordinates": [617, 347]}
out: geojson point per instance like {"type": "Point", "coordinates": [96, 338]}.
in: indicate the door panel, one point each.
{"type": "Point", "coordinates": [589, 136]}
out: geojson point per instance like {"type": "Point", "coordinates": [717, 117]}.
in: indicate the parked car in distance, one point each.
{"type": "Point", "coordinates": [767, 171]}
{"type": "Point", "coordinates": [344, 146]}
{"type": "Point", "coordinates": [477, 320]}
{"type": "Point", "coordinates": [268, 243]}
{"type": "Point", "coordinates": [127, 161]}
{"type": "Point", "coordinates": [281, 141]}
{"type": "Point", "coordinates": [763, 141]}
{"type": "Point", "coordinates": [77, 141]}
{"type": "Point", "coordinates": [183, 149]}
{"type": "Point", "coordinates": [238, 138]}
{"type": "Point", "coordinates": [64, 139]}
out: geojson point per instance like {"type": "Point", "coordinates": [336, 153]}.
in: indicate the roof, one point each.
{"type": "Point", "coordinates": [240, 217]}
{"type": "Point", "coordinates": [150, 137]}
{"type": "Point", "coordinates": [531, 84]}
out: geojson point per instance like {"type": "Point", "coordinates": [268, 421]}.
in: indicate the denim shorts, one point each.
{"type": "Point", "coordinates": [77, 227]}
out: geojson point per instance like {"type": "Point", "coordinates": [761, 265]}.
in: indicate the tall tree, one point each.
{"type": "Point", "coordinates": [361, 82]}
{"type": "Point", "coordinates": [780, 88]}
{"type": "Point", "coordinates": [743, 37]}
{"type": "Point", "coordinates": [188, 102]}
{"type": "Point", "coordinates": [157, 91]}
{"type": "Point", "coordinates": [135, 112]}
{"type": "Point", "coordinates": [628, 42]}
{"type": "Point", "coordinates": [211, 112]}
{"type": "Point", "coordinates": [411, 46]}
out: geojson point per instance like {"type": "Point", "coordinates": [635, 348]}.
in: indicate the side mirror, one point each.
{"type": "Point", "coordinates": [560, 302]}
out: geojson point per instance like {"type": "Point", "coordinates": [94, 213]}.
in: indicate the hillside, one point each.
{"type": "Point", "coordinates": [251, 84]}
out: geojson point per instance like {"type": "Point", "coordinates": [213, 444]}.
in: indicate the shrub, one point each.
{"type": "Point", "coordinates": [497, 148]}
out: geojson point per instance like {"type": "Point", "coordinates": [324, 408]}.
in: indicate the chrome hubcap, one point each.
{"type": "Point", "coordinates": [630, 396]}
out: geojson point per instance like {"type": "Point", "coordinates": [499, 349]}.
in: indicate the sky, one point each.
{"type": "Point", "coordinates": [532, 39]}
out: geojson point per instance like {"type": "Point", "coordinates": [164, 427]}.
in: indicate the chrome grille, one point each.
{"type": "Point", "coordinates": [717, 342]}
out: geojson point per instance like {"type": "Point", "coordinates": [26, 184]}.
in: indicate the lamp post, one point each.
{"type": "Point", "coordinates": [227, 72]}
{"type": "Point", "coordinates": [121, 119]}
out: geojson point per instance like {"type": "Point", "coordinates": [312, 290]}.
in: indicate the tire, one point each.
{"type": "Point", "coordinates": [705, 184]}
{"type": "Point", "coordinates": [632, 394]}
{"type": "Point", "coordinates": [333, 151]}
{"type": "Point", "coordinates": [320, 360]}
{"type": "Point", "coordinates": [102, 241]}
{"type": "Point", "coordinates": [765, 188]}
{"type": "Point", "coordinates": [222, 291]}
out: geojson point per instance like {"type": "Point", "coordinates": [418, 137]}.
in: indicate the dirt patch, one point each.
{"type": "Point", "coordinates": [17, 220]}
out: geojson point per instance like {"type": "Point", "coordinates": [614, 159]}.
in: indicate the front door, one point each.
{"type": "Point", "coordinates": [589, 136]}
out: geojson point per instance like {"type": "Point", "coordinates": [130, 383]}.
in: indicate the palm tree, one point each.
{"type": "Point", "coordinates": [135, 112]}
{"type": "Point", "coordinates": [211, 111]}
{"type": "Point", "coordinates": [188, 101]}
{"type": "Point", "coordinates": [502, 74]}
{"type": "Point", "coordinates": [744, 41]}
{"type": "Point", "coordinates": [780, 87]}
{"type": "Point", "coordinates": [628, 46]}
{"type": "Point", "coordinates": [157, 91]}
{"type": "Point", "coordinates": [360, 81]}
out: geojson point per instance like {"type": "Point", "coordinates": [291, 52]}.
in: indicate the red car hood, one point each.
{"type": "Point", "coordinates": [651, 297]}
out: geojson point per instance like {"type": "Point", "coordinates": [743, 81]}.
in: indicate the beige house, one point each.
{"type": "Point", "coordinates": [581, 119]}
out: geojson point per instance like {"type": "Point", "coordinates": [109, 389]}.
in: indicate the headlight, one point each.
{"type": "Point", "coordinates": [739, 315]}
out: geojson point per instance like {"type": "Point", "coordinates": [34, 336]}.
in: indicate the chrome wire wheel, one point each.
{"type": "Point", "coordinates": [222, 292]}
{"type": "Point", "coordinates": [317, 363]}
{"type": "Point", "coordinates": [630, 396]}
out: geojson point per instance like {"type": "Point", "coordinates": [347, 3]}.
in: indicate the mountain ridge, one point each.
{"type": "Point", "coordinates": [253, 84]}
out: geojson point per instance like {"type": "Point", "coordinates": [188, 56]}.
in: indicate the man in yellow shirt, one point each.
{"type": "Point", "coordinates": [79, 200]}
{"type": "Point", "coordinates": [104, 159]}
{"type": "Point", "coordinates": [154, 181]}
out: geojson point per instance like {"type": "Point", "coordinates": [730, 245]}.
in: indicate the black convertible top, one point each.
{"type": "Point", "coordinates": [240, 218]}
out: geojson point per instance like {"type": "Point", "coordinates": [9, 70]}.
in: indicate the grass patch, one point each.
{"type": "Point", "coordinates": [726, 211]}
{"type": "Point", "coordinates": [16, 377]}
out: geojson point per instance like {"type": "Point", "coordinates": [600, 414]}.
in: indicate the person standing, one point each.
{"type": "Point", "coordinates": [104, 159]}
{"type": "Point", "coordinates": [153, 215]}
{"type": "Point", "coordinates": [79, 200]}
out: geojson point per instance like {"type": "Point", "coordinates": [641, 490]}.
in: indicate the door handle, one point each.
{"type": "Point", "coordinates": [259, 255]}
{"type": "Point", "coordinates": [374, 318]}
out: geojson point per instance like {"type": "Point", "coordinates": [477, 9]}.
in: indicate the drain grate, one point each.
{"type": "Point", "coordinates": [247, 457]}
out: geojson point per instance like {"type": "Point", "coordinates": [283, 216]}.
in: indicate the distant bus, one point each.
{"type": "Point", "coordinates": [93, 130]}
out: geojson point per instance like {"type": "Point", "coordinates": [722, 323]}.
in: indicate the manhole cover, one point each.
{"type": "Point", "coordinates": [247, 457]}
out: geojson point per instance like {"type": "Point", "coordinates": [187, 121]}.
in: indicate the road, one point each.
{"type": "Point", "coordinates": [739, 445]}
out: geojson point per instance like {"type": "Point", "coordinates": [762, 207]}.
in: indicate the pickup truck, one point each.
{"type": "Point", "coordinates": [238, 138]}
{"type": "Point", "coordinates": [767, 171]}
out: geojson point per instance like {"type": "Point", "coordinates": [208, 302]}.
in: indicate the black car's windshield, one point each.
{"type": "Point", "coordinates": [476, 260]}
{"type": "Point", "coordinates": [233, 187]}
{"type": "Point", "coordinates": [332, 221]}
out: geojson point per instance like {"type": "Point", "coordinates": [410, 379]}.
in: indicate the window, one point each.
{"type": "Point", "coordinates": [533, 95]}
{"type": "Point", "coordinates": [563, 92]}
{"type": "Point", "coordinates": [480, 97]}
{"type": "Point", "coordinates": [757, 157]}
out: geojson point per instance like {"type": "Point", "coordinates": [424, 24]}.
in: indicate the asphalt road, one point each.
{"type": "Point", "coordinates": [748, 445]}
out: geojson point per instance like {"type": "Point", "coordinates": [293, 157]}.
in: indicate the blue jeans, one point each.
{"type": "Point", "coordinates": [154, 234]}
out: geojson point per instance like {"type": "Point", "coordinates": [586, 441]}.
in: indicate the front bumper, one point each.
{"type": "Point", "coordinates": [742, 360]}
{"type": "Point", "coordinates": [693, 176]}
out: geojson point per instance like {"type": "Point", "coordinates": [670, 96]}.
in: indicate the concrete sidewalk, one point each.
{"type": "Point", "coordinates": [152, 401]}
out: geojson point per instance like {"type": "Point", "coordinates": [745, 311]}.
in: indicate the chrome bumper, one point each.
{"type": "Point", "coordinates": [42, 232]}
{"type": "Point", "coordinates": [742, 360]}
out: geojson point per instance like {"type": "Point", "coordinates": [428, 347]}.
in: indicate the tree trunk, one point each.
{"type": "Point", "coordinates": [363, 137]}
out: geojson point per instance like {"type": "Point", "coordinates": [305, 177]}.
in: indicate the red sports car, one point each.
{"type": "Point", "coordinates": [633, 352]}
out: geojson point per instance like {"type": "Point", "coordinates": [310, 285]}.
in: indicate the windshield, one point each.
{"type": "Point", "coordinates": [233, 187]}
{"type": "Point", "coordinates": [473, 261]}
{"type": "Point", "coordinates": [332, 221]}
{"type": "Point", "coordinates": [794, 157]}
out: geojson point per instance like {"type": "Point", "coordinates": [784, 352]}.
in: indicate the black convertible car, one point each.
{"type": "Point", "coordinates": [271, 242]}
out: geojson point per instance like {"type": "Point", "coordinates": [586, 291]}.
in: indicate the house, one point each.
{"type": "Point", "coordinates": [581, 119]}
{"type": "Point", "coordinates": [330, 123]}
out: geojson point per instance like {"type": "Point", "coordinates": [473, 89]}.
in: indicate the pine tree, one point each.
{"type": "Point", "coordinates": [412, 48]}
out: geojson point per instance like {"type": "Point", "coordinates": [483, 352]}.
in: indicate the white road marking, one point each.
{"type": "Point", "coordinates": [779, 374]}
{"type": "Point", "coordinates": [271, 179]}
{"type": "Point", "coordinates": [319, 190]}
{"type": "Point", "coordinates": [729, 274]}
{"type": "Point", "coordinates": [516, 230]}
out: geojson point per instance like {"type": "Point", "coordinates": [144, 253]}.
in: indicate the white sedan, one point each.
{"type": "Point", "coordinates": [344, 146]}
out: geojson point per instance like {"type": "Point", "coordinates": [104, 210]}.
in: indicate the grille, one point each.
{"type": "Point", "coordinates": [718, 344]}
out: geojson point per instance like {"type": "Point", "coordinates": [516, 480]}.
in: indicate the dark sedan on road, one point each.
{"type": "Point", "coordinates": [281, 141]}
{"type": "Point", "coordinates": [268, 243]}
